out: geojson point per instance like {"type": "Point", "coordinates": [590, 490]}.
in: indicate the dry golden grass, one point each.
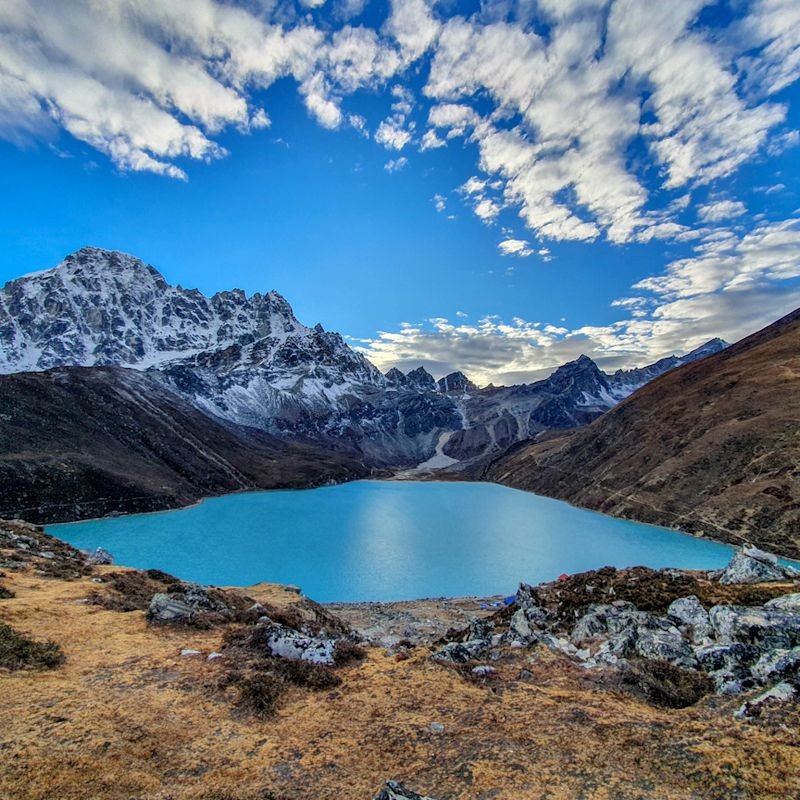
{"type": "Point", "coordinates": [127, 717]}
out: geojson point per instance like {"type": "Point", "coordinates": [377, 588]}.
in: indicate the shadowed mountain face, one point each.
{"type": "Point", "coordinates": [82, 442]}
{"type": "Point", "coordinates": [248, 361]}
{"type": "Point", "coordinates": [711, 447]}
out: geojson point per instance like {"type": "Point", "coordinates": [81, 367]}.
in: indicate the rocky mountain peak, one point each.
{"type": "Point", "coordinates": [421, 378]}
{"type": "Point", "coordinates": [395, 377]}
{"type": "Point", "coordinates": [456, 382]}
{"type": "Point", "coordinates": [711, 346]}
{"type": "Point", "coordinates": [103, 307]}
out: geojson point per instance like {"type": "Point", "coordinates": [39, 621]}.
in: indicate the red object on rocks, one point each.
{"type": "Point", "coordinates": [563, 576]}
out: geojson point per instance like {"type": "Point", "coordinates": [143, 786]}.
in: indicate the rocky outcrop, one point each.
{"type": "Point", "coordinates": [751, 565]}
{"type": "Point", "coordinates": [23, 544]}
{"type": "Point", "coordinates": [738, 647]}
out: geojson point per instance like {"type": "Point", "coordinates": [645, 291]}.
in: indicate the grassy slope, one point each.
{"type": "Point", "coordinates": [127, 716]}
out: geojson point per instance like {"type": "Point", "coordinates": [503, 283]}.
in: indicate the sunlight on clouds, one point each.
{"type": "Point", "coordinates": [589, 119]}
{"type": "Point", "coordinates": [733, 285]}
{"type": "Point", "coordinates": [149, 83]}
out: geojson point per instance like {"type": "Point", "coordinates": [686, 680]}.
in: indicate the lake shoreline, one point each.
{"type": "Point", "coordinates": [443, 476]}
{"type": "Point", "coordinates": [387, 541]}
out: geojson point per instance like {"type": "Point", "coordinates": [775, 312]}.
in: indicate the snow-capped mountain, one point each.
{"type": "Point", "coordinates": [249, 361]}
{"type": "Point", "coordinates": [100, 308]}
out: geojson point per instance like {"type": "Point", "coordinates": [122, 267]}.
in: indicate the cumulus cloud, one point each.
{"type": "Point", "coordinates": [553, 109]}
{"type": "Point", "coordinates": [395, 164]}
{"type": "Point", "coordinates": [719, 210]}
{"type": "Point", "coordinates": [515, 247]}
{"type": "Point", "coordinates": [392, 135]}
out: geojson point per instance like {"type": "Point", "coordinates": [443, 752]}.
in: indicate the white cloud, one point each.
{"type": "Point", "coordinates": [412, 24]}
{"type": "Point", "coordinates": [569, 118]}
{"type": "Point", "coordinates": [440, 202]}
{"type": "Point", "coordinates": [515, 247]}
{"type": "Point", "coordinates": [719, 210]}
{"type": "Point", "coordinates": [733, 285]}
{"type": "Point", "coordinates": [395, 164]}
{"type": "Point", "coordinates": [392, 135]}
{"type": "Point", "coordinates": [431, 140]}
{"type": "Point", "coordinates": [359, 123]}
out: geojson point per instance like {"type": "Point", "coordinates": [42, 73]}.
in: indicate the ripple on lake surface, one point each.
{"type": "Point", "coordinates": [383, 540]}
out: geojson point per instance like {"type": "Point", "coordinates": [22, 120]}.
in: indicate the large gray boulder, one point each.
{"type": "Point", "coordinates": [664, 644]}
{"type": "Point", "coordinates": [607, 621]}
{"type": "Point", "coordinates": [100, 556]}
{"type": "Point", "coordinates": [691, 617]}
{"type": "Point", "coordinates": [164, 610]}
{"type": "Point", "coordinates": [728, 665]}
{"type": "Point", "coordinates": [789, 603]}
{"type": "Point", "coordinates": [527, 623]}
{"type": "Point", "coordinates": [767, 627]}
{"type": "Point", "coordinates": [293, 645]}
{"type": "Point", "coordinates": [751, 565]}
{"type": "Point", "coordinates": [462, 652]}
{"type": "Point", "coordinates": [184, 606]}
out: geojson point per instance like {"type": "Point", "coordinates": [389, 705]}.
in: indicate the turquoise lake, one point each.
{"type": "Point", "coordinates": [384, 540]}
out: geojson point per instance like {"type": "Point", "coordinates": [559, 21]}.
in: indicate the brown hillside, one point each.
{"type": "Point", "coordinates": [712, 448]}
{"type": "Point", "coordinates": [79, 442]}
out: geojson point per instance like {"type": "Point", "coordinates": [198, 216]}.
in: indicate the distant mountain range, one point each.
{"type": "Point", "coordinates": [249, 362]}
{"type": "Point", "coordinates": [712, 448]}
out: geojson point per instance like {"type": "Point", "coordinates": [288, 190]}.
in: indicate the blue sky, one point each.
{"type": "Point", "coordinates": [493, 187]}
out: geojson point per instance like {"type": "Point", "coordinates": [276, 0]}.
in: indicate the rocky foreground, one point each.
{"type": "Point", "coordinates": [119, 683]}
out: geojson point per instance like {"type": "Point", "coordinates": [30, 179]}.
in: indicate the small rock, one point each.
{"type": "Point", "coordinates": [189, 652]}
{"type": "Point", "coordinates": [483, 670]}
{"type": "Point", "coordinates": [393, 790]}
{"type": "Point", "coordinates": [100, 556]}
{"type": "Point", "coordinates": [214, 656]}
{"type": "Point", "coordinates": [437, 727]}
{"type": "Point", "coordinates": [779, 693]}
